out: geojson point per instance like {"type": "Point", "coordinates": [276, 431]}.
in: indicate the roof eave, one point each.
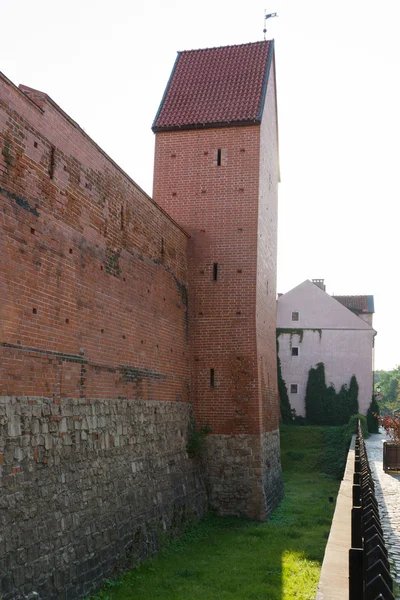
{"type": "Point", "coordinates": [370, 303]}
{"type": "Point", "coordinates": [214, 125]}
{"type": "Point", "coordinates": [276, 117]}
{"type": "Point", "coordinates": [166, 90]}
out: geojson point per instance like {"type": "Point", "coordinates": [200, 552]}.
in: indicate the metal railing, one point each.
{"type": "Point", "coordinates": [369, 572]}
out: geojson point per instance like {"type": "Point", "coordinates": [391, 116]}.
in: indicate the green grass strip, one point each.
{"type": "Point", "coordinates": [227, 558]}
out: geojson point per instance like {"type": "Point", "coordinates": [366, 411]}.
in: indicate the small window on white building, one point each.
{"type": "Point", "coordinates": [293, 388]}
{"type": "Point", "coordinates": [295, 350]}
{"type": "Point", "coordinates": [295, 315]}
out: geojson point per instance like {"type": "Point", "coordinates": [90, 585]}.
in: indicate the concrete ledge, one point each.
{"type": "Point", "coordinates": [334, 579]}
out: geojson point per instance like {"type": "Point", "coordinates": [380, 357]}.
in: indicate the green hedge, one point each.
{"type": "Point", "coordinates": [326, 407]}
{"type": "Point", "coordinates": [336, 445]}
{"type": "Point", "coordinates": [352, 425]}
{"type": "Point", "coordinates": [286, 410]}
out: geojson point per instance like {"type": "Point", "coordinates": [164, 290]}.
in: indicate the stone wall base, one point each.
{"type": "Point", "coordinates": [271, 470]}
{"type": "Point", "coordinates": [89, 487]}
{"type": "Point", "coordinates": [244, 474]}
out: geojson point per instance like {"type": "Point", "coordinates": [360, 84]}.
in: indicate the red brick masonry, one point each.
{"type": "Point", "coordinates": [93, 298]}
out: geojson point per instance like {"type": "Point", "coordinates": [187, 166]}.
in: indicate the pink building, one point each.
{"type": "Point", "coordinates": [315, 327]}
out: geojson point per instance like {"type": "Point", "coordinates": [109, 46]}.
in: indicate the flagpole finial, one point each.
{"type": "Point", "coordinates": [266, 17]}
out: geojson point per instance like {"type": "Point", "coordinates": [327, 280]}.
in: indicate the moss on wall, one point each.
{"type": "Point", "coordinates": [296, 331]}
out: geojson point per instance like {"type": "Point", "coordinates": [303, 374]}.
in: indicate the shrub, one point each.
{"type": "Point", "coordinates": [352, 425]}
{"type": "Point", "coordinates": [286, 411]}
{"type": "Point", "coordinates": [335, 450]}
{"type": "Point", "coordinates": [299, 420]}
{"type": "Point", "coordinates": [330, 400]}
{"type": "Point", "coordinates": [392, 427]}
{"type": "Point", "coordinates": [341, 406]}
{"type": "Point", "coordinates": [336, 445]}
{"type": "Point", "coordinates": [315, 395]}
{"type": "Point", "coordinates": [326, 407]}
{"type": "Point", "coordinates": [352, 401]}
{"type": "Point", "coordinates": [196, 439]}
{"type": "Point", "coordinates": [373, 416]}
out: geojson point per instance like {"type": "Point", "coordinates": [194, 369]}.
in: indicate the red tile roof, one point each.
{"type": "Point", "coordinates": [358, 304]}
{"type": "Point", "coordinates": [216, 86]}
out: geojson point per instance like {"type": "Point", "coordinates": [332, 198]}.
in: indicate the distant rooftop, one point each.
{"type": "Point", "coordinates": [357, 304]}
{"type": "Point", "coordinates": [216, 86]}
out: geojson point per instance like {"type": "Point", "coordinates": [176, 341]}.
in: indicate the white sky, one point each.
{"type": "Point", "coordinates": [107, 63]}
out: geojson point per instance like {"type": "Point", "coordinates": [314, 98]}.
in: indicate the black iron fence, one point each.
{"type": "Point", "coordinates": [369, 572]}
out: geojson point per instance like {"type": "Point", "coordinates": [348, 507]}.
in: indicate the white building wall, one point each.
{"type": "Point", "coordinates": [345, 344]}
{"type": "Point", "coordinates": [367, 317]}
{"type": "Point", "coordinates": [344, 353]}
{"type": "Point", "coordinates": [316, 309]}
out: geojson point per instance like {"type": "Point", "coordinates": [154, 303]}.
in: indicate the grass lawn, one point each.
{"type": "Point", "coordinates": [226, 558]}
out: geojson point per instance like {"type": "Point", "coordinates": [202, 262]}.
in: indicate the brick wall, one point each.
{"type": "Point", "coordinates": [221, 185]}
{"type": "Point", "coordinates": [94, 372]}
{"type": "Point", "coordinates": [112, 323]}
{"type": "Point", "coordinates": [218, 207]}
{"type": "Point", "coordinates": [272, 485]}
{"type": "Point", "coordinates": [267, 260]}
{"type": "Point", "coordinates": [93, 295]}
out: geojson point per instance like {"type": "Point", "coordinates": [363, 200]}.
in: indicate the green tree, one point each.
{"type": "Point", "coordinates": [286, 411]}
{"type": "Point", "coordinates": [389, 384]}
{"type": "Point", "coordinates": [315, 395]}
{"type": "Point", "coordinates": [352, 404]}
{"type": "Point", "coordinates": [326, 407]}
{"type": "Point", "coordinates": [372, 420]}
{"type": "Point", "coordinates": [341, 408]}
{"type": "Point", "coordinates": [330, 400]}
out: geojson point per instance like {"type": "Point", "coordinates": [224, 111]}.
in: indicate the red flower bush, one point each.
{"type": "Point", "coordinates": [392, 427]}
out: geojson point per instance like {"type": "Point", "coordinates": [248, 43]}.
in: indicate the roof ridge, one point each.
{"type": "Point", "coordinates": [226, 46]}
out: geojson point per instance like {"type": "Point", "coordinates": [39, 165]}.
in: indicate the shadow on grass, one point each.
{"type": "Point", "coordinates": [229, 558]}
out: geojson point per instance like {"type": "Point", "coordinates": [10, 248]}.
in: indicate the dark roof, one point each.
{"type": "Point", "coordinates": [357, 304]}
{"type": "Point", "coordinates": [216, 86]}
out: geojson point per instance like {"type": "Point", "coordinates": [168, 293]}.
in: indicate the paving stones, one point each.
{"type": "Point", "coordinates": [387, 491]}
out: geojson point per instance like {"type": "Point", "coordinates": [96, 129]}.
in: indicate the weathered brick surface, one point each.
{"type": "Point", "coordinates": [111, 320]}
{"type": "Point", "coordinates": [89, 487]}
{"type": "Point", "coordinates": [218, 207]}
{"type": "Point", "coordinates": [267, 261]}
{"type": "Point", "coordinates": [230, 211]}
{"type": "Point", "coordinates": [94, 373]}
{"type": "Point", "coordinates": [93, 295]}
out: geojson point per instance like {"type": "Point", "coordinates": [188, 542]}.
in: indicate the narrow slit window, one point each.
{"type": "Point", "coordinates": [295, 315]}
{"type": "Point", "coordinates": [122, 218]}
{"type": "Point", "coordinates": [52, 162]}
{"type": "Point", "coordinates": [219, 155]}
{"type": "Point", "coordinates": [215, 271]}
{"type": "Point", "coordinates": [212, 376]}
{"type": "Point", "coordinates": [293, 388]}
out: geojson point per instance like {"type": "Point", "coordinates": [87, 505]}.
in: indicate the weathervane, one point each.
{"type": "Point", "coordinates": [269, 16]}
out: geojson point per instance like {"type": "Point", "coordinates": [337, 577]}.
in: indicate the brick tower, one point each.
{"type": "Point", "coordinates": [216, 173]}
